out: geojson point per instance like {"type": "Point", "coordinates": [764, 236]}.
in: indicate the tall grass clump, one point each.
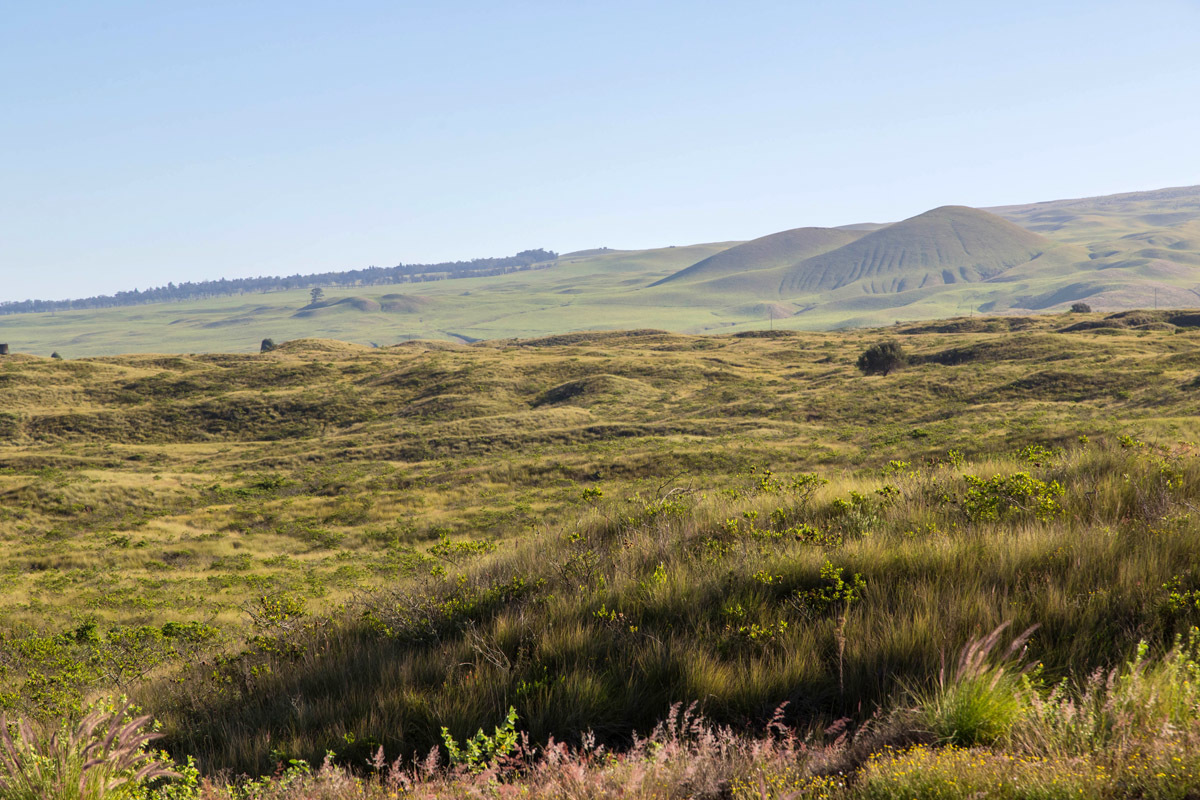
{"type": "Point", "coordinates": [102, 757]}
{"type": "Point", "coordinates": [982, 698]}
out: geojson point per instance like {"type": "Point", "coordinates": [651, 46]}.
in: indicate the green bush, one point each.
{"type": "Point", "coordinates": [1005, 496]}
{"type": "Point", "coordinates": [482, 751]}
{"type": "Point", "coordinates": [882, 358]}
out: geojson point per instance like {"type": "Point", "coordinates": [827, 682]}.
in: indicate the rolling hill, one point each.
{"type": "Point", "coordinates": [775, 250]}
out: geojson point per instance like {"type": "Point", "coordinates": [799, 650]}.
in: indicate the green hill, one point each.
{"type": "Point", "coordinates": [776, 250]}
{"type": "Point", "coordinates": [948, 245]}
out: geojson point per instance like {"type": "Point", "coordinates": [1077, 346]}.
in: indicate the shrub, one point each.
{"type": "Point", "coordinates": [881, 358]}
{"type": "Point", "coordinates": [1080, 308]}
{"type": "Point", "coordinates": [1004, 496]}
{"type": "Point", "coordinates": [1138, 703]}
{"type": "Point", "coordinates": [267, 346]}
{"type": "Point", "coordinates": [482, 751]}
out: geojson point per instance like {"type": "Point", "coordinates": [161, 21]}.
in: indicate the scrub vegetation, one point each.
{"type": "Point", "coordinates": [636, 562]}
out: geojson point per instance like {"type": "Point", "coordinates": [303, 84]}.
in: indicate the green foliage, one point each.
{"type": "Point", "coordinates": [1122, 709]}
{"type": "Point", "coordinates": [882, 358]}
{"type": "Point", "coordinates": [1005, 496]}
{"type": "Point", "coordinates": [1080, 308]}
{"type": "Point", "coordinates": [277, 612]}
{"type": "Point", "coordinates": [482, 751]}
{"type": "Point", "coordinates": [1179, 598]}
{"type": "Point", "coordinates": [836, 593]}
{"type": "Point", "coordinates": [458, 552]}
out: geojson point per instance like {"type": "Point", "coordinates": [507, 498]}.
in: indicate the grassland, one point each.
{"type": "Point", "coordinates": [338, 547]}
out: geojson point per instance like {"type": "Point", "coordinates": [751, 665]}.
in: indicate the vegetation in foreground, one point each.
{"type": "Point", "coordinates": [670, 519]}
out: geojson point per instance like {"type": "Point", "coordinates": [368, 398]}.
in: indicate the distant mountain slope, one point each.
{"type": "Point", "coordinates": [951, 244]}
{"type": "Point", "coordinates": [775, 250]}
{"type": "Point", "coordinates": [1088, 219]}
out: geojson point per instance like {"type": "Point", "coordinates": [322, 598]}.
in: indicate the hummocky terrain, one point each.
{"type": "Point", "coordinates": [1137, 250]}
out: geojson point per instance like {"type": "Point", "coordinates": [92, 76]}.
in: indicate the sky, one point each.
{"type": "Point", "coordinates": [147, 142]}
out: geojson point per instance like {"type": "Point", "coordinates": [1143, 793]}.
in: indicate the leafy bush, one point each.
{"type": "Point", "coordinates": [882, 358]}
{"type": "Point", "coordinates": [1134, 705]}
{"type": "Point", "coordinates": [482, 751]}
{"type": "Point", "coordinates": [1004, 496]}
{"type": "Point", "coordinates": [1080, 308]}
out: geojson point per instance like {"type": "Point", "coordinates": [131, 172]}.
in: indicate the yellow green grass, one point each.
{"type": "Point", "coordinates": [337, 547]}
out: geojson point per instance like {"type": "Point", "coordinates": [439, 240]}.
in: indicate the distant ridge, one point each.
{"type": "Point", "coordinates": [1084, 219]}
{"type": "Point", "coordinates": [766, 252]}
{"type": "Point", "coordinates": [371, 276]}
{"type": "Point", "coordinates": [951, 244]}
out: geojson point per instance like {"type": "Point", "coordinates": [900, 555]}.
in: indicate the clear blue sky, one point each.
{"type": "Point", "coordinates": [146, 142]}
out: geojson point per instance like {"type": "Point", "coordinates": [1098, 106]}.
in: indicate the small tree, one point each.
{"type": "Point", "coordinates": [316, 295]}
{"type": "Point", "coordinates": [882, 358]}
{"type": "Point", "coordinates": [267, 346]}
{"type": "Point", "coordinates": [1080, 308]}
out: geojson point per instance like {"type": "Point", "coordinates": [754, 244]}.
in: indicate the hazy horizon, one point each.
{"type": "Point", "coordinates": [150, 144]}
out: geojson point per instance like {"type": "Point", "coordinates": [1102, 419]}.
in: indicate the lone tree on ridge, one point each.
{"type": "Point", "coordinates": [882, 357]}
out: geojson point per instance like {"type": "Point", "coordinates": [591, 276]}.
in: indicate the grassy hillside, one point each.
{"type": "Point", "coordinates": [947, 245]}
{"type": "Point", "coordinates": [592, 290]}
{"type": "Point", "coordinates": [338, 547]}
{"type": "Point", "coordinates": [782, 249]}
{"type": "Point", "coordinates": [1111, 217]}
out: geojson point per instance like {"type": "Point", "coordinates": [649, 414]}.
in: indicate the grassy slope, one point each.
{"type": "Point", "coordinates": [140, 490]}
{"type": "Point", "coordinates": [782, 249]}
{"type": "Point", "coordinates": [943, 246]}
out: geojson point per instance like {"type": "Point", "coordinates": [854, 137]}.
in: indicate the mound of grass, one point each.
{"type": "Point", "coordinates": [595, 389]}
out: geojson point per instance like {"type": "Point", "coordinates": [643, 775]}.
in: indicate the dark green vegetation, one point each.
{"type": "Point", "coordinates": [882, 358]}
{"type": "Point", "coordinates": [329, 546]}
{"type": "Point", "coordinates": [1110, 253]}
